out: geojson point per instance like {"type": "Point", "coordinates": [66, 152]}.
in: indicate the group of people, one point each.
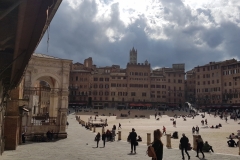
{"type": "Point", "coordinates": [202, 121]}
{"type": "Point", "coordinates": [231, 142]}
{"type": "Point", "coordinates": [195, 129]}
{"type": "Point", "coordinates": [50, 135]}
{"type": "Point", "coordinates": [201, 147]}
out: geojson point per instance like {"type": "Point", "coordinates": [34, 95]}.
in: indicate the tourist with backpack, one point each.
{"type": "Point", "coordinates": [97, 138]}
{"type": "Point", "coordinates": [157, 145]}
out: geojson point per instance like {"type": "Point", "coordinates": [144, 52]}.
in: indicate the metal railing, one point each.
{"type": "Point", "coordinates": [43, 120]}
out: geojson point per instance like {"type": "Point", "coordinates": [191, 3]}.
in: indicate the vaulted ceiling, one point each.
{"type": "Point", "coordinates": [22, 25]}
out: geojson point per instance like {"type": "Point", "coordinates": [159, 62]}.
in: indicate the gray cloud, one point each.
{"type": "Point", "coordinates": [193, 38]}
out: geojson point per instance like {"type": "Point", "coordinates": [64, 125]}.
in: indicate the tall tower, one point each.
{"type": "Point", "coordinates": [133, 56]}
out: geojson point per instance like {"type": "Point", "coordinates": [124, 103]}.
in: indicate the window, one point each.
{"type": "Point", "coordinates": [144, 94]}
{"type": "Point", "coordinates": [100, 79]}
{"type": "Point", "coordinates": [113, 84]}
{"type": "Point", "coordinates": [152, 86]}
{"type": "Point", "coordinates": [76, 78]}
{"type": "Point", "coordinates": [133, 94]}
{"type": "Point", "coordinates": [230, 83]}
{"type": "Point", "coordinates": [106, 79]}
{"type": "Point", "coordinates": [95, 79]}
{"type": "Point", "coordinates": [95, 86]}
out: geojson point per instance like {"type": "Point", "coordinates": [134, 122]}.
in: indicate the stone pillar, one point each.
{"type": "Point", "coordinates": [119, 135]}
{"type": "Point", "coordinates": [103, 129]}
{"type": "Point", "coordinates": [194, 142]}
{"type": "Point", "coordinates": [239, 145]}
{"type": "Point", "coordinates": [90, 127]}
{"type": "Point", "coordinates": [168, 138]}
{"type": "Point", "coordinates": [12, 121]}
{"type": "Point", "coordinates": [94, 128]}
{"type": "Point", "coordinates": [148, 138]}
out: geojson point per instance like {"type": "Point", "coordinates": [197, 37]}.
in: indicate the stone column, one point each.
{"type": "Point", "coordinates": [168, 138]}
{"type": "Point", "coordinates": [148, 138]}
{"type": "Point", "coordinates": [119, 135]}
{"type": "Point", "coordinates": [12, 127]}
{"type": "Point", "coordinates": [94, 128]}
{"type": "Point", "coordinates": [103, 129]}
{"type": "Point", "coordinates": [239, 145]}
{"type": "Point", "coordinates": [90, 127]}
{"type": "Point", "coordinates": [194, 142]}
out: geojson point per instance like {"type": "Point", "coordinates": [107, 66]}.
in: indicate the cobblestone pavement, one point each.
{"type": "Point", "coordinates": [80, 146]}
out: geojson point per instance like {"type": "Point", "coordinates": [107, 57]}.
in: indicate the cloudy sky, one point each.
{"type": "Point", "coordinates": [164, 32]}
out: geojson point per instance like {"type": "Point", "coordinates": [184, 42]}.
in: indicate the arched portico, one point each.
{"type": "Point", "coordinates": [55, 73]}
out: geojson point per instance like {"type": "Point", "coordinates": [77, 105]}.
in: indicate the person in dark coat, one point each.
{"type": "Point", "coordinates": [184, 145]}
{"type": "Point", "coordinates": [97, 138]}
{"type": "Point", "coordinates": [23, 137]}
{"type": "Point", "coordinates": [157, 144]}
{"type": "Point", "coordinates": [104, 138]}
{"type": "Point", "coordinates": [199, 145]}
{"type": "Point", "coordinates": [197, 129]}
{"type": "Point", "coordinates": [231, 143]}
{"type": "Point", "coordinates": [133, 140]}
{"type": "Point", "coordinates": [193, 130]}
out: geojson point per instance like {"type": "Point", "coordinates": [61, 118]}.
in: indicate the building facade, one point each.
{"type": "Point", "coordinates": [216, 83]}
{"type": "Point", "coordinates": [136, 85]}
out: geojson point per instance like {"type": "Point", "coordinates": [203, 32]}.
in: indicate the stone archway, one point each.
{"type": "Point", "coordinates": [55, 73]}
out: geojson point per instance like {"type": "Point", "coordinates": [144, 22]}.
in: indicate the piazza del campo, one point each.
{"type": "Point", "coordinates": [53, 108]}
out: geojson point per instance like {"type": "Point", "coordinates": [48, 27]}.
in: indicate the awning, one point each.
{"type": "Point", "coordinates": [78, 103]}
{"type": "Point", "coordinates": [171, 105]}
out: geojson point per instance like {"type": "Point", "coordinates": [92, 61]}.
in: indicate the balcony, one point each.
{"type": "Point", "coordinates": [73, 88]}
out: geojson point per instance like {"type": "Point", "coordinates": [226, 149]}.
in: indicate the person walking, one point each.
{"type": "Point", "coordinates": [113, 134]}
{"type": "Point", "coordinates": [119, 126]}
{"type": "Point", "coordinates": [157, 144]}
{"type": "Point", "coordinates": [67, 124]}
{"type": "Point", "coordinates": [104, 138]}
{"type": "Point", "coordinates": [199, 145]}
{"type": "Point", "coordinates": [184, 145]}
{"type": "Point", "coordinates": [133, 138]}
{"type": "Point", "coordinates": [193, 130]}
{"type": "Point", "coordinates": [97, 138]}
{"type": "Point", "coordinates": [197, 129]}
{"type": "Point", "coordinates": [164, 130]}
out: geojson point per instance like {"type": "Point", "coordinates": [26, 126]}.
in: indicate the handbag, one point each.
{"type": "Point", "coordinates": [136, 143]}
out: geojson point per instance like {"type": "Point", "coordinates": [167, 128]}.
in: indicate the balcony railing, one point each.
{"type": "Point", "coordinates": [73, 87]}
{"type": "Point", "coordinates": [43, 120]}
